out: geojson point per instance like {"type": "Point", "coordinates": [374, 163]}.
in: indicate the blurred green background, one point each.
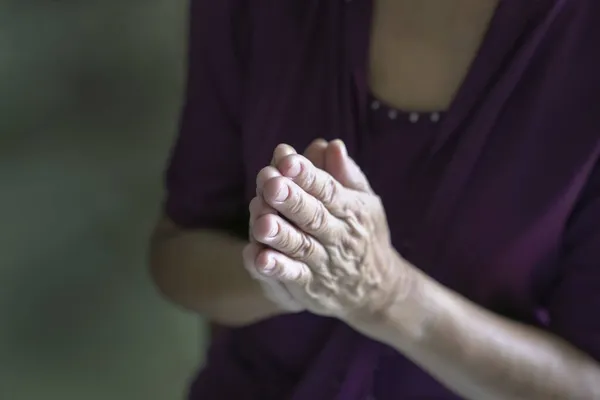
{"type": "Point", "coordinates": [89, 98]}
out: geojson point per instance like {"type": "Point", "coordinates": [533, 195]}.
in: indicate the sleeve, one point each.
{"type": "Point", "coordinates": [574, 306]}
{"type": "Point", "coordinates": [205, 176]}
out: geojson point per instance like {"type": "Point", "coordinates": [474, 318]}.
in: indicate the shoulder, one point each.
{"type": "Point", "coordinates": [576, 33]}
{"type": "Point", "coordinates": [566, 68]}
{"type": "Point", "coordinates": [225, 14]}
{"type": "Point", "coordinates": [246, 31]}
{"type": "Point", "coordinates": [257, 21]}
{"type": "Point", "coordinates": [215, 25]}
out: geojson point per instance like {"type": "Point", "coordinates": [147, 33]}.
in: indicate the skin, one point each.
{"type": "Point", "coordinates": [326, 216]}
{"type": "Point", "coordinates": [348, 269]}
{"type": "Point", "coordinates": [417, 64]}
{"type": "Point", "coordinates": [422, 50]}
{"type": "Point", "coordinates": [203, 271]}
{"type": "Point", "coordinates": [331, 254]}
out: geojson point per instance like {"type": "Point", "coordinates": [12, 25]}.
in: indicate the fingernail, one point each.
{"type": "Point", "coordinates": [294, 170]}
{"type": "Point", "coordinates": [342, 146]}
{"type": "Point", "coordinates": [274, 230]}
{"type": "Point", "coordinates": [269, 268]}
{"type": "Point", "coordinates": [285, 149]}
{"type": "Point", "coordinates": [283, 193]}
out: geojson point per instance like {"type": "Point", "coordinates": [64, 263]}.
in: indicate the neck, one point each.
{"type": "Point", "coordinates": [438, 19]}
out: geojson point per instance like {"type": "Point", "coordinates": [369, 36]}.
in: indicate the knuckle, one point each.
{"type": "Point", "coordinates": [302, 249]}
{"type": "Point", "coordinates": [302, 276]}
{"type": "Point", "coordinates": [370, 204]}
{"type": "Point", "coordinates": [297, 202]}
{"type": "Point", "coordinates": [309, 178]}
{"type": "Point", "coordinates": [328, 192]}
{"type": "Point", "coordinates": [318, 220]}
{"type": "Point", "coordinates": [283, 238]}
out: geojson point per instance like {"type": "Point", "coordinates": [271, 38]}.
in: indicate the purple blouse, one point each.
{"type": "Point", "coordinates": [498, 198]}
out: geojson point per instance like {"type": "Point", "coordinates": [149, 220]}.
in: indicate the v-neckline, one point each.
{"type": "Point", "coordinates": [488, 60]}
{"type": "Point", "coordinates": [491, 65]}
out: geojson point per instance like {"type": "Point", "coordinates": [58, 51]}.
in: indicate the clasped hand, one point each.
{"type": "Point", "coordinates": [319, 241]}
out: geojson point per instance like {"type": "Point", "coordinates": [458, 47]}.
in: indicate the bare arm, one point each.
{"type": "Point", "coordinates": [202, 271]}
{"type": "Point", "coordinates": [481, 355]}
{"type": "Point", "coordinates": [471, 350]}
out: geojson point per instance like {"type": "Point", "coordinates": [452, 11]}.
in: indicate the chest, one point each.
{"type": "Point", "coordinates": [420, 53]}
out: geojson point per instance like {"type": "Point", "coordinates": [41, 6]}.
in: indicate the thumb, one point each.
{"type": "Point", "coordinates": [343, 168]}
{"type": "Point", "coordinates": [315, 153]}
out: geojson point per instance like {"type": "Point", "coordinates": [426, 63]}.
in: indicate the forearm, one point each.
{"type": "Point", "coordinates": [481, 355]}
{"type": "Point", "coordinates": [202, 271]}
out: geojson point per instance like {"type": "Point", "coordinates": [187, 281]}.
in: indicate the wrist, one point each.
{"type": "Point", "coordinates": [407, 318]}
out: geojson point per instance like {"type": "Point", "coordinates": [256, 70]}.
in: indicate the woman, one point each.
{"type": "Point", "coordinates": [462, 262]}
